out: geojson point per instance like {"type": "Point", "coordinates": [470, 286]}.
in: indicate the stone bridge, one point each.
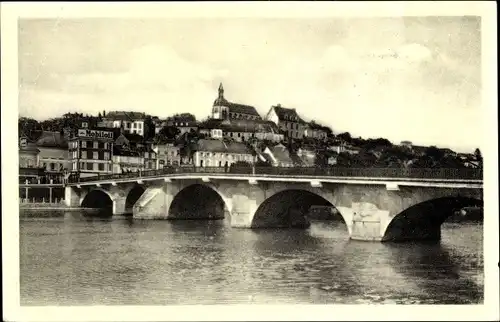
{"type": "Point", "coordinates": [379, 208]}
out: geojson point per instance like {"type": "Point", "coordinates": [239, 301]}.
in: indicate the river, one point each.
{"type": "Point", "coordinates": [71, 259]}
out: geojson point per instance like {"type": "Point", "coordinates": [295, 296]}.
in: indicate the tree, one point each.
{"type": "Point", "coordinates": [394, 156]}
{"type": "Point", "coordinates": [169, 132]}
{"type": "Point", "coordinates": [346, 136]}
{"type": "Point", "coordinates": [344, 159]}
{"type": "Point", "coordinates": [30, 127]}
{"type": "Point", "coordinates": [364, 159]}
{"type": "Point", "coordinates": [261, 163]}
{"type": "Point", "coordinates": [434, 153]}
{"type": "Point", "coordinates": [149, 128]}
{"type": "Point", "coordinates": [183, 117]}
{"type": "Point", "coordinates": [243, 164]}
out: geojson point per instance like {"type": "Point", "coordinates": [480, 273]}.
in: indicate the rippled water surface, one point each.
{"type": "Point", "coordinates": [69, 259]}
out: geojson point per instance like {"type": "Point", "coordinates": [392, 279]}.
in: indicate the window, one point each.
{"type": "Point", "coordinates": [84, 144]}
{"type": "Point", "coordinates": [95, 145]}
{"type": "Point", "coordinates": [90, 166]}
{"type": "Point", "coordinates": [82, 165]}
{"type": "Point", "coordinates": [52, 166]}
{"type": "Point", "coordinates": [105, 145]}
{"type": "Point", "coordinates": [95, 155]}
{"type": "Point", "coordinates": [106, 155]}
{"type": "Point", "coordinates": [139, 125]}
{"type": "Point", "coordinates": [152, 155]}
{"type": "Point", "coordinates": [146, 155]}
{"type": "Point", "coordinates": [101, 166]}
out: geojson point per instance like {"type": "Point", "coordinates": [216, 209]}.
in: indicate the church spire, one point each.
{"type": "Point", "coordinates": [221, 91]}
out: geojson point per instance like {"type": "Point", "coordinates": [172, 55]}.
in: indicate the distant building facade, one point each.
{"type": "Point", "coordinates": [91, 151]}
{"type": "Point", "coordinates": [315, 131]}
{"type": "Point", "coordinates": [126, 160]}
{"type": "Point", "coordinates": [29, 170]}
{"type": "Point", "coordinates": [131, 122]}
{"type": "Point", "coordinates": [183, 126]}
{"type": "Point", "coordinates": [168, 154]}
{"type": "Point", "coordinates": [217, 153]}
{"type": "Point", "coordinates": [288, 120]}
{"type": "Point", "coordinates": [53, 155]}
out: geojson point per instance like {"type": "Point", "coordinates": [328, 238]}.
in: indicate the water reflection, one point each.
{"type": "Point", "coordinates": [70, 259]}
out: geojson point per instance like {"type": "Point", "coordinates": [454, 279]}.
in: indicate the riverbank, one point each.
{"type": "Point", "coordinates": [46, 206]}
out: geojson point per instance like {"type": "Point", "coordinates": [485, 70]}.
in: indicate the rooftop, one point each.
{"type": "Point", "coordinates": [281, 153]}
{"type": "Point", "coordinates": [221, 146]}
{"type": "Point", "coordinates": [287, 114]}
{"type": "Point", "coordinates": [125, 116]}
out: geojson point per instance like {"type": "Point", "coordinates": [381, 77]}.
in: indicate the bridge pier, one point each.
{"type": "Point", "coordinates": [365, 221]}
{"type": "Point", "coordinates": [245, 203]}
{"type": "Point", "coordinates": [155, 202]}
{"type": "Point", "coordinates": [119, 205]}
{"type": "Point", "coordinates": [71, 196]}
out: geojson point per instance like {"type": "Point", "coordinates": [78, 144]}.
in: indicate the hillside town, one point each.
{"type": "Point", "coordinates": [234, 134]}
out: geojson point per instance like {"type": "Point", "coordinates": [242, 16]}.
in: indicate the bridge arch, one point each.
{"type": "Point", "coordinates": [199, 201]}
{"type": "Point", "coordinates": [289, 208]}
{"type": "Point", "coordinates": [98, 199]}
{"type": "Point", "coordinates": [423, 220]}
{"type": "Point", "coordinates": [133, 194]}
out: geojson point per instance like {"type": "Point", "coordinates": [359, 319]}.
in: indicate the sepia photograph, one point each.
{"type": "Point", "coordinates": [249, 155]}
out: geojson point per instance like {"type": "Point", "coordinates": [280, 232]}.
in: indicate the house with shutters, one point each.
{"type": "Point", "coordinates": [220, 153]}
{"type": "Point", "coordinates": [287, 120]}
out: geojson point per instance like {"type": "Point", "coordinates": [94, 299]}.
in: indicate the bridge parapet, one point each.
{"type": "Point", "coordinates": [379, 173]}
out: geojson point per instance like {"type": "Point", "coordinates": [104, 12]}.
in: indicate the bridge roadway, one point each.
{"type": "Point", "coordinates": [412, 177]}
{"type": "Point", "coordinates": [376, 204]}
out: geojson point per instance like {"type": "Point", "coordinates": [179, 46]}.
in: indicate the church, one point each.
{"type": "Point", "coordinates": [225, 110]}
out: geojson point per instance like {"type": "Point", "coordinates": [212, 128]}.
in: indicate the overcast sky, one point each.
{"type": "Point", "coordinates": [415, 79]}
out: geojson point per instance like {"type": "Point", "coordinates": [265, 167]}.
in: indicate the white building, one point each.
{"type": "Point", "coordinates": [131, 122]}
{"type": "Point", "coordinates": [217, 153]}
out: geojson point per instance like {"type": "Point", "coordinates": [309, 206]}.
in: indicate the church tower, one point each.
{"type": "Point", "coordinates": [220, 107]}
{"type": "Point", "coordinates": [221, 91]}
